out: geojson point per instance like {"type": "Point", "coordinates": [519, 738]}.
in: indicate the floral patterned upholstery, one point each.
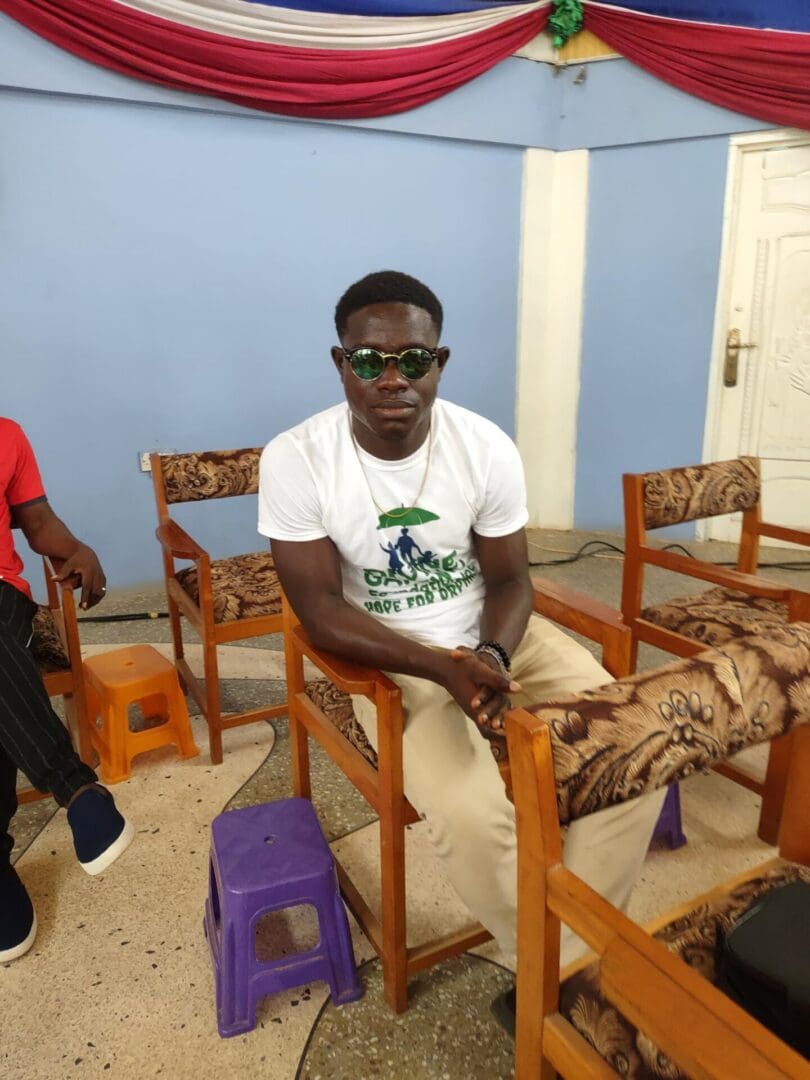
{"type": "Point", "coordinates": [700, 491]}
{"type": "Point", "coordinates": [716, 616]}
{"type": "Point", "coordinates": [243, 587]}
{"type": "Point", "coordinates": [46, 644]}
{"type": "Point", "coordinates": [653, 728]}
{"type": "Point", "coordinates": [338, 708]}
{"type": "Point", "coordinates": [640, 733]}
{"type": "Point", "coordinates": [696, 937]}
{"type": "Point", "coordinates": [215, 474]}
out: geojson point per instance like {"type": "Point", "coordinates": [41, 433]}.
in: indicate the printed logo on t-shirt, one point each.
{"type": "Point", "coordinates": [416, 576]}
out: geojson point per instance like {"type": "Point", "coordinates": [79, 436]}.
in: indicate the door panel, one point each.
{"type": "Point", "coordinates": [767, 410]}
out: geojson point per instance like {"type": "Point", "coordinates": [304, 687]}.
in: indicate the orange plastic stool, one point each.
{"type": "Point", "coordinates": [137, 674]}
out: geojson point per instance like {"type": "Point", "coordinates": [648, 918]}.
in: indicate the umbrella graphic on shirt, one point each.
{"type": "Point", "coordinates": [414, 515]}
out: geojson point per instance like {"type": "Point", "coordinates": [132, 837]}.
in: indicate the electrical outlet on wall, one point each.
{"type": "Point", "coordinates": [144, 463]}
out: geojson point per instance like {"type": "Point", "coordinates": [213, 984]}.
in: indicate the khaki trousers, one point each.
{"type": "Point", "coordinates": [453, 782]}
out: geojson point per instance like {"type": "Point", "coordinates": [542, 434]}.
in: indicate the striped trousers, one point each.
{"type": "Point", "coordinates": [32, 737]}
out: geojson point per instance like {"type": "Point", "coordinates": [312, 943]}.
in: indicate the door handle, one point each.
{"type": "Point", "coordinates": [733, 346]}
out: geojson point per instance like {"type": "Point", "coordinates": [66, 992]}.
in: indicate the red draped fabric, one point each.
{"type": "Point", "coordinates": [761, 73]}
{"type": "Point", "coordinates": [271, 56]}
{"type": "Point", "coordinates": [335, 83]}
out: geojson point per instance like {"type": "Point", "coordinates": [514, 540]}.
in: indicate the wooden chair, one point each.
{"type": "Point", "coordinates": [57, 651]}
{"type": "Point", "coordinates": [224, 599]}
{"type": "Point", "coordinates": [323, 710]}
{"type": "Point", "coordinates": [739, 604]}
{"type": "Point", "coordinates": [649, 998]}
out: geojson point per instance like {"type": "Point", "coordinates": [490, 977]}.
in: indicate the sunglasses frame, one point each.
{"type": "Point", "coordinates": [396, 357]}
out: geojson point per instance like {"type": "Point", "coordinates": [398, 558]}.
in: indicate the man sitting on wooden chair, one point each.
{"type": "Point", "coordinates": [32, 737]}
{"type": "Point", "coordinates": [395, 468]}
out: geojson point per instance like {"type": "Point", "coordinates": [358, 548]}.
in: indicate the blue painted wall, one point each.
{"type": "Point", "coordinates": [515, 103]}
{"type": "Point", "coordinates": [170, 263]}
{"type": "Point", "coordinates": [615, 103]}
{"type": "Point", "coordinates": [170, 278]}
{"type": "Point", "coordinates": [653, 250]}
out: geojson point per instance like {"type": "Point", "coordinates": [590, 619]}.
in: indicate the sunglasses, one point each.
{"type": "Point", "coordinates": [369, 364]}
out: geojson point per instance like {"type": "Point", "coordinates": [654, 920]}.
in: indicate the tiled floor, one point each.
{"type": "Point", "coordinates": [128, 945]}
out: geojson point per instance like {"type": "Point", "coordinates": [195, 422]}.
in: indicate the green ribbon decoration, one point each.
{"type": "Point", "coordinates": [565, 20]}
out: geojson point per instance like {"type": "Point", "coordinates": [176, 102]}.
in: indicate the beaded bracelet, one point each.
{"type": "Point", "coordinates": [498, 652]}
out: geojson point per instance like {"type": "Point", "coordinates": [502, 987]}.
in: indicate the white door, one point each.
{"type": "Point", "coordinates": [761, 391]}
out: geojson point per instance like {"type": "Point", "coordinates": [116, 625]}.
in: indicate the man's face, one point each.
{"type": "Point", "coordinates": [390, 409]}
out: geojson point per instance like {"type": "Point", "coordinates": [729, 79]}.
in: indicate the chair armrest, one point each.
{"type": "Point", "coordinates": [589, 617]}
{"type": "Point", "coordinates": [348, 677]}
{"type": "Point", "coordinates": [718, 575]}
{"type": "Point", "coordinates": [575, 610]}
{"type": "Point", "coordinates": [649, 985]}
{"type": "Point", "coordinates": [52, 565]}
{"type": "Point", "coordinates": [176, 541]}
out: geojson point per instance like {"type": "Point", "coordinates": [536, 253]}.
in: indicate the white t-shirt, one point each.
{"type": "Point", "coordinates": [414, 570]}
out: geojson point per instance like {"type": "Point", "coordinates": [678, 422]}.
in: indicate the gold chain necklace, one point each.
{"type": "Point", "coordinates": [403, 510]}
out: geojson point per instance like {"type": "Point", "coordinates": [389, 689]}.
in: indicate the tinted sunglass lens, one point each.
{"type": "Point", "coordinates": [415, 363]}
{"type": "Point", "coordinates": [367, 363]}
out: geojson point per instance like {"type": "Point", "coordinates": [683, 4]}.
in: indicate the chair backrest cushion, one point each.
{"type": "Point", "coordinates": [700, 491]}
{"type": "Point", "coordinates": [46, 644]}
{"type": "Point", "coordinates": [653, 728]}
{"type": "Point", "coordinates": [214, 474]}
{"type": "Point", "coordinates": [339, 709]}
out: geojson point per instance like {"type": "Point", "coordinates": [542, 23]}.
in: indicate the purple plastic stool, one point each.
{"type": "Point", "coordinates": [265, 858]}
{"type": "Point", "coordinates": [668, 827]}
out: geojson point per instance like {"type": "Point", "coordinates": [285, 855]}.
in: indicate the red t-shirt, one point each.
{"type": "Point", "coordinates": [20, 484]}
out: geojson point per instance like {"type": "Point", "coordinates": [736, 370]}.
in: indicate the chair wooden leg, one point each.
{"type": "Point", "coordinates": [78, 730]}
{"type": "Point", "coordinates": [773, 795]}
{"type": "Point", "coordinates": [394, 920]}
{"type": "Point", "coordinates": [538, 937]}
{"type": "Point", "coordinates": [177, 636]}
{"type": "Point", "coordinates": [794, 840]}
{"type": "Point", "coordinates": [299, 742]}
{"type": "Point", "coordinates": [619, 654]}
{"type": "Point", "coordinates": [213, 704]}
{"type": "Point", "coordinates": [299, 752]}
{"type": "Point", "coordinates": [633, 655]}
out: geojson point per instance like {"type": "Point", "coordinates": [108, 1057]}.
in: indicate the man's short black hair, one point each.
{"type": "Point", "coordinates": [387, 287]}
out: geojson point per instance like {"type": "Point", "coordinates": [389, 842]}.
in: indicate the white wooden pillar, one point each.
{"type": "Point", "coordinates": [552, 271]}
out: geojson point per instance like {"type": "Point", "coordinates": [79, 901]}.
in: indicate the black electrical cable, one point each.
{"type": "Point", "coordinates": [125, 616]}
{"type": "Point", "coordinates": [680, 547]}
{"type": "Point", "coordinates": [580, 553]}
{"type": "Point", "coordinates": [772, 565]}
{"type": "Point", "coordinates": [583, 553]}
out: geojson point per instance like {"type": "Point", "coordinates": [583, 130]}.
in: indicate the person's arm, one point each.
{"type": "Point", "coordinates": [309, 572]}
{"type": "Point", "coordinates": [504, 562]}
{"type": "Point", "coordinates": [48, 535]}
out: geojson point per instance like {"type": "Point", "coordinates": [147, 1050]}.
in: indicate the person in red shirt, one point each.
{"type": "Point", "coordinates": [33, 739]}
